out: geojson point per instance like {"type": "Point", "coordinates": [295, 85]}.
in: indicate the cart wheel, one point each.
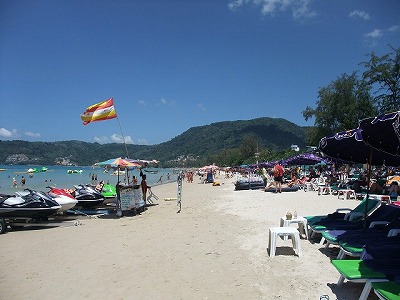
{"type": "Point", "coordinates": [3, 226]}
{"type": "Point", "coordinates": [119, 213]}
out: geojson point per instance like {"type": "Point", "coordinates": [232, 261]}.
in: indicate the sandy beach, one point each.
{"type": "Point", "coordinates": [215, 248]}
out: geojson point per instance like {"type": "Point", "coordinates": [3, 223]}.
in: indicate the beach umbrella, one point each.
{"type": "Point", "coordinates": [303, 159]}
{"type": "Point", "coordinates": [140, 162]}
{"type": "Point", "coordinates": [349, 146]}
{"type": "Point", "coordinates": [382, 133]}
{"type": "Point", "coordinates": [119, 164]}
{"type": "Point", "coordinates": [209, 168]}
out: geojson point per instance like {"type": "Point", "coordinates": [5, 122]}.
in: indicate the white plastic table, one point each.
{"type": "Point", "coordinates": [299, 220]}
{"type": "Point", "coordinates": [275, 232]}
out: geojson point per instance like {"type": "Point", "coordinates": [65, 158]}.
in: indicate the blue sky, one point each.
{"type": "Point", "coordinates": [174, 64]}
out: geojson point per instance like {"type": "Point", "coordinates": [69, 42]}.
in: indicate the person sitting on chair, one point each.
{"type": "Point", "coordinates": [293, 180]}
{"type": "Point", "coordinates": [375, 188]}
{"type": "Point", "coordinates": [394, 190]}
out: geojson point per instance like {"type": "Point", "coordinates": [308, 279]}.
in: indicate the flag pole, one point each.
{"type": "Point", "coordinates": [126, 148]}
{"type": "Point", "coordinates": [123, 136]}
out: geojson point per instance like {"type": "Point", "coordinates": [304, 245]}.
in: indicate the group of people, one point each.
{"type": "Point", "coordinates": [15, 183]}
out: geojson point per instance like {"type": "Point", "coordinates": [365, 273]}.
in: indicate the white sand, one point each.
{"type": "Point", "coordinates": [216, 248]}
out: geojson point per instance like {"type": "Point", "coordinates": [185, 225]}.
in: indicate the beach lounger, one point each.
{"type": "Point", "coordinates": [355, 239]}
{"type": "Point", "coordinates": [383, 213]}
{"type": "Point", "coordinates": [367, 271]}
{"type": "Point", "coordinates": [389, 290]}
{"type": "Point", "coordinates": [341, 213]}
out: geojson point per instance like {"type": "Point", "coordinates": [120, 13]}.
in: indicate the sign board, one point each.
{"type": "Point", "coordinates": [131, 198]}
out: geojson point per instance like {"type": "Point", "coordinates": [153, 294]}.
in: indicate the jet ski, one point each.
{"type": "Point", "coordinates": [109, 192]}
{"type": "Point", "coordinates": [27, 204]}
{"type": "Point", "coordinates": [87, 196]}
{"type": "Point", "coordinates": [66, 200]}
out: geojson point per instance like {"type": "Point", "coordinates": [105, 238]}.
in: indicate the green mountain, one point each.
{"type": "Point", "coordinates": [201, 141]}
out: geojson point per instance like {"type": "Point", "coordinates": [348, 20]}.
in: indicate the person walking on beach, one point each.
{"type": "Point", "coordinates": [278, 175]}
{"type": "Point", "coordinates": [144, 187]}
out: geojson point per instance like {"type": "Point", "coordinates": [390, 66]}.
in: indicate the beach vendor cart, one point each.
{"type": "Point", "coordinates": [129, 196]}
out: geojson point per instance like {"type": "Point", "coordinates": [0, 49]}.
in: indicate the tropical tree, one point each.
{"type": "Point", "coordinates": [384, 73]}
{"type": "Point", "coordinates": [248, 147]}
{"type": "Point", "coordinates": [340, 106]}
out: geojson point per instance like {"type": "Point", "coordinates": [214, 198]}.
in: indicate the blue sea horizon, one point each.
{"type": "Point", "coordinates": [57, 176]}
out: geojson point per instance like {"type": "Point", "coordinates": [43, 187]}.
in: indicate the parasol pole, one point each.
{"type": "Point", "coordinates": [368, 187]}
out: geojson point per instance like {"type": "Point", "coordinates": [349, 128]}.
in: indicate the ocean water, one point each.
{"type": "Point", "coordinates": [57, 176]}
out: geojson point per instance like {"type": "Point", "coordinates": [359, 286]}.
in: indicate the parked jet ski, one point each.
{"type": "Point", "coordinates": [108, 191]}
{"type": "Point", "coordinates": [66, 200]}
{"type": "Point", "coordinates": [29, 204]}
{"type": "Point", "coordinates": [87, 196]}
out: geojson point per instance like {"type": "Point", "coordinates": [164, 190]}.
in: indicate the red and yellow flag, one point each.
{"type": "Point", "coordinates": [99, 112]}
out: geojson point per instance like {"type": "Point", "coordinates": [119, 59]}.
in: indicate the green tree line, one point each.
{"type": "Point", "coordinates": [350, 98]}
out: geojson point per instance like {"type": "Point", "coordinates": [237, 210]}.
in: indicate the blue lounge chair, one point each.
{"type": "Point", "coordinates": [342, 214]}
{"type": "Point", "coordinates": [357, 238]}
{"type": "Point", "coordinates": [383, 213]}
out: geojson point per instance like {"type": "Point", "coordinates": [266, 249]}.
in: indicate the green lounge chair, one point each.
{"type": "Point", "coordinates": [316, 223]}
{"type": "Point", "coordinates": [389, 290]}
{"type": "Point", "coordinates": [357, 271]}
{"type": "Point", "coordinates": [340, 213]}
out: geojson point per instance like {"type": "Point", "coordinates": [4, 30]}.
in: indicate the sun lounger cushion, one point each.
{"type": "Point", "coordinates": [360, 208]}
{"type": "Point", "coordinates": [382, 213]}
{"type": "Point", "coordinates": [360, 237]}
{"type": "Point", "coordinates": [356, 269]}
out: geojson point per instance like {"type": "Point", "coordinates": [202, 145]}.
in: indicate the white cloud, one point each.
{"type": "Point", "coordinates": [394, 28]}
{"type": "Point", "coordinates": [237, 3]}
{"type": "Point", "coordinates": [101, 139]}
{"type": "Point", "coordinates": [32, 134]}
{"type": "Point", "coordinates": [141, 102]}
{"type": "Point", "coordinates": [201, 107]}
{"type": "Point", "coordinates": [142, 142]}
{"type": "Point", "coordinates": [376, 33]}
{"type": "Point", "coordinates": [115, 138]}
{"type": "Point", "coordinates": [7, 133]}
{"type": "Point", "coordinates": [373, 36]}
{"type": "Point", "coordinates": [299, 8]}
{"type": "Point", "coordinates": [359, 14]}
{"type": "Point", "coordinates": [164, 101]}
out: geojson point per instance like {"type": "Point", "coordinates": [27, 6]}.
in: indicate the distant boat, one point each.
{"type": "Point", "coordinates": [151, 171]}
{"type": "Point", "coordinates": [74, 171]}
{"type": "Point", "coordinates": [2, 170]}
{"type": "Point", "coordinates": [35, 170]}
